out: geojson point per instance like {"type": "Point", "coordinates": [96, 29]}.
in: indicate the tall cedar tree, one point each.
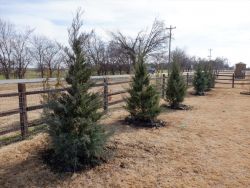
{"type": "Point", "coordinates": [143, 103]}
{"type": "Point", "coordinates": [176, 87]}
{"type": "Point", "coordinates": [78, 140]}
{"type": "Point", "coordinates": [199, 81]}
{"type": "Point", "coordinates": [210, 79]}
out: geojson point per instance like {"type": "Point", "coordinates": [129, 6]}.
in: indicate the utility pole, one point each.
{"type": "Point", "coordinates": [170, 38]}
{"type": "Point", "coordinates": [210, 54]}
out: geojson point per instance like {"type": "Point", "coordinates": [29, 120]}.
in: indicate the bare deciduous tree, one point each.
{"type": "Point", "coordinates": [7, 32]}
{"type": "Point", "coordinates": [39, 45]}
{"type": "Point", "coordinates": [22, 52]}
{"type": "Point", "coordinates": [107, 57]}
{"type": "Point", "coordinates": [52, 57]}
{"type": "Point", "coordinates": [47, 54]}
{"type": "Point", "coordinates": [97, 53]}
{"type": "Point", "coordinates": [179, 56]}
{"type": "Point", "coordinates": [116, 59]}
{"type": "Point", "coordinates": [145, 43]}
{"type": "Point", "coordinates": [160, 61]}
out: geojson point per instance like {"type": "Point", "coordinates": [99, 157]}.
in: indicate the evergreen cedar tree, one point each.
{"type": "Point", "coordinates": [210, 79]}
{"type": "Point", "coordinates": [78, 141]}
{"type": "Point", "coordinates": [176, 87]}
{"type": "Point", "coordinates": [199, 81]}
{"type": "Point", "coordinates": [143, 101]}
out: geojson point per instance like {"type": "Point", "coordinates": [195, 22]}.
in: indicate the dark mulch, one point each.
{"type": "Point", "coordinates": [245, 93]}
{"type": "Point", "coordinates": [196, 94]}
{"type": "Point", "coordinates": [144, 123]}
{"type": "Point", "coordinates": [180, 107]}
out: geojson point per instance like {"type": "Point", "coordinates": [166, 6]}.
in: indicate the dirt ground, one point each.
{"type": "Point", "coordinates": [208, 146]}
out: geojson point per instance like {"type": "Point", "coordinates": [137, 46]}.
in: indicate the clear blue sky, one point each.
{"type": "Point", "coordinates": [222, 25]}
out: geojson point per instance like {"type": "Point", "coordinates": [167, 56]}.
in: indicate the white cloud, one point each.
{"type": "Point", "coordinates": [222, 25]}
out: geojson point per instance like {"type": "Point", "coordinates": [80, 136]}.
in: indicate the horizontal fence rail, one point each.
{"type": "Point", "coordinates": [232, 80]}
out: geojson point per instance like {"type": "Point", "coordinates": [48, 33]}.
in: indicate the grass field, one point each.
{"type": "Point", "coordinates": [207, 146]}
{"type": "Point", "coordinates": [30, 73]}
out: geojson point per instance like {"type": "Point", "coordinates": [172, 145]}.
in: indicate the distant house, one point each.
{"type": "Point", "coordinates": [240, 70]}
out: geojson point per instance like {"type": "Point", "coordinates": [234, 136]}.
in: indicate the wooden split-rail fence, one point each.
{"type": "Point", "coordinates": [230, 79]}
{"type": "Point", "coordinates": [102, 81]}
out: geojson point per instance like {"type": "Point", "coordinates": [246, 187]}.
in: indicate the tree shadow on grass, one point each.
{"type": "Point", "coordinates": [16, 137]}
{"type": "Point", "coordinates": [120, 126]}
{"type": "Point", "coordinates": [30, 172]}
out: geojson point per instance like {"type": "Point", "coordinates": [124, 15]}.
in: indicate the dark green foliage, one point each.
{"type": "Point", "coordinates": [176, 87]}
{"type": "Point", "coordinates": [210, 79]}
{"type": "Point", "coordinates": [77, 139]}
{"type": "Point", "coordinates": [200, 81]}
{"type": "Point", "coordinates": [143, 103]}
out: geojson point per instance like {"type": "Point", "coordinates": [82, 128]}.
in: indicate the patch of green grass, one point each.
{"type": "Point", "coordinates": [31, 73]}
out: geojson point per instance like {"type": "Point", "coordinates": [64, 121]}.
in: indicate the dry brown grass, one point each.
{"type": "Point", "coordinates": [205, 147]}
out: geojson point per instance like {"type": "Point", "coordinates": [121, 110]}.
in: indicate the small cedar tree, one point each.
{"type": "Point", "coordinates": [210, 79]}
{"type": "Point", "coordinates": [143, 100]}
{"type": "Point", "coordinates": [199, 81]}
{"type": "Point", "coordinates": [176, 87]}
{"type": "Point", "coordinates": [77, 139]}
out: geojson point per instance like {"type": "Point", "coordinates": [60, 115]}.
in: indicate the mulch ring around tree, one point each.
{"type": "Point", "coordinates": [245, 92]}
{"type": "Point", "coordinates": [180, 107]}
{"type": "Point", "coordinates": [196, 94]}
{"type": "Point", "coordinates": [144, 123]}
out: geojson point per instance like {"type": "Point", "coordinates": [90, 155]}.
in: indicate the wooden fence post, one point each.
{"type": "Point", "coordinates": [105, 94]}
{"type": "Point", "coordinates": [23, 109]}
{"type": "Point", "coordinates": [187, 79]}
{"type": "Point", "coordinates": [163, 85]}
{"type": "Point", "coordinates": [233, 81]}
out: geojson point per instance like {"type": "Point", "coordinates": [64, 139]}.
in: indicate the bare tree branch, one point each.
{"type": "Point", "coordinates": [144, 44]}
{"type": "Point", "coordinates": [22, 52]}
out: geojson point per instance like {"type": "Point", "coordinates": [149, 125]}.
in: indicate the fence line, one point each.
{"type": "Point", "coordinates": [103, 81]}
{"type": "Point", "coordinates": [24, 108]}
